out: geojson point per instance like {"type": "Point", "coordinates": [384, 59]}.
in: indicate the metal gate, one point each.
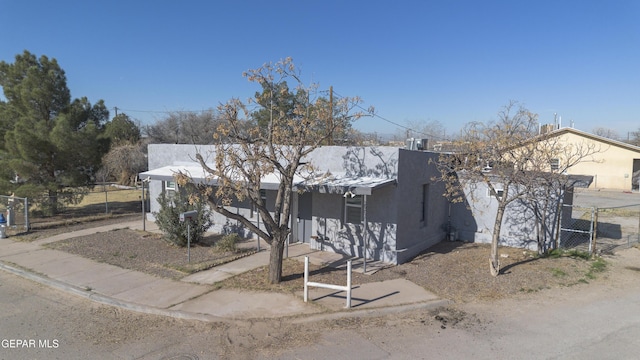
{"type": "Point", "coordinates": [577, 226]}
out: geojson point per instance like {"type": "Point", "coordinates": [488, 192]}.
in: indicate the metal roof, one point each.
{"type": "Point", "coordinates": [325, 183]}
{"type": "Point", "coordinates": [341, 183]}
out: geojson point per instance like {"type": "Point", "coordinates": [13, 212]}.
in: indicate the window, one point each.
{"type": "Point", "coordinates": [353, 209]}
{"type": "Point", "coordinates": [425, 204]}
{"type": "Point", "coordinates": [170, 185]}
{"type": "Point", "coordinates": [555, 164]}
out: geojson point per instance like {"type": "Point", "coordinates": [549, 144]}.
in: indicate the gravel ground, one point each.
{"type": "Point", "coordinates": [452, 270]}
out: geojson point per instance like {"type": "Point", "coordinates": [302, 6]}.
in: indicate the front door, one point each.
{"type": "Point", "coordinates": [304, 217]}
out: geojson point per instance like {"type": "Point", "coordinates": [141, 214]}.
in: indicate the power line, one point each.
{"type": "Point", "coordinates": [396, 124]}
{"type": "Point", "coordinates": [335, 93]}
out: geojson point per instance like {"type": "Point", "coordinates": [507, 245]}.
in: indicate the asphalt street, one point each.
{"type": "Point", "coordinates": [598, 321]}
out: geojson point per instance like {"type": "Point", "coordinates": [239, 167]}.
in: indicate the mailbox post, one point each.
{"type": "Point", "coordinates": [188, 216]}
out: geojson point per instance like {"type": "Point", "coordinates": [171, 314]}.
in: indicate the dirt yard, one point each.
{"type": "Point", "coordinates": [452, 270]}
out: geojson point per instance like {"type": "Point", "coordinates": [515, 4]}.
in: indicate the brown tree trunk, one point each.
{"type": "Point", "coordinates": [494, 261]}
{"type": "Point", "coordinates": [275, 257]}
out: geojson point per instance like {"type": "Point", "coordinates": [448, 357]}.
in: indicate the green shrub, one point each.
{"type": "Point", "coordinates": [227, 243]}
{"type": "Point", "coordinates": [168, 218]}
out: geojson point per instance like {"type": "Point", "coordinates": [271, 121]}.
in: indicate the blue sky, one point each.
{"type": "Point", "coordinates": [414, 61]}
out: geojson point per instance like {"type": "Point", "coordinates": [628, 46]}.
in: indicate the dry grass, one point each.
{"type": "Point", "coordinates": [452, 270]}
{"type": "Point", "coordinates": [148, 252]}
{"type": "Point", "coordinates": [99, 195]}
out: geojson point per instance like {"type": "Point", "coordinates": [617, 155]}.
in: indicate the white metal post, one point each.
{"type": "Point", "coordinates": [306, 278]}
{"type": "Point", "coordinates": [144, 225]}
{"type": "Point", "coordinates": [348, 284]}
{"type": "Point", "coordinates": [364, 251]}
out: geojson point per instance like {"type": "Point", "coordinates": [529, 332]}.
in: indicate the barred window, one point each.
{"type": "Point", "coordinates": [353, 209]}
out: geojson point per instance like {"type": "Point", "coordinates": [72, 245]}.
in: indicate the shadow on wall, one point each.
{"type": "Point", "coordinates": [525, 225]}
{"type": "Point", "coordinates": [236, 228]}
{"type": "Point", "coordinates": [462, 224]}
{"type": "Point", "coordinates": [355, 165]}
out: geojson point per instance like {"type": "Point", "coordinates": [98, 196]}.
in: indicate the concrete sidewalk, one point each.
{"type": "Point", "coordinates": [195, 297]}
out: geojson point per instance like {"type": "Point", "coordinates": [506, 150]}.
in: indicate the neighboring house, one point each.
{"type": "Point", "coordinates": [613, 167]}
{"type": "Point", "coordinates": [378, 201]}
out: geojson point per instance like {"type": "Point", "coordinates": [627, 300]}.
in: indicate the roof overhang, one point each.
{"type": "Point", "coordinates": [580, 181]}
{"type": "Point", "coordinates": [167, 173]}
{"type": "Point", "coordinates": [342, 184]}
{"type": "Point", "coordinates": [199, 175]}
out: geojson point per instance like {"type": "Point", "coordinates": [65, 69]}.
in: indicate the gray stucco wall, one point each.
{"type": "Point", "coordinates": [332, 234]}
{"type": "Point", "coordinates": [416, 169]}
{"type": "Point", "coordinates": [474, 219]}
{"type": "Point", "coordinates": [329, 230]}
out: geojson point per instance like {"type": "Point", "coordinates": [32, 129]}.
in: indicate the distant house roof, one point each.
{"type": "Point", "coordinates": [602, 139]}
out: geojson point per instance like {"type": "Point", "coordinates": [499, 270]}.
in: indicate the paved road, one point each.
{"type": "Point", "coordinates": [598, 321]}
{"type": "Point", "coordinates": [37, 322]}
{"type": "Point", "coordinates": [605, 198]}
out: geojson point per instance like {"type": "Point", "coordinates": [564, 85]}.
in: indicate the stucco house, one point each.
{"type": "Point", "coordinates": [612, 167]}
{"type": "Point", "coordinates": [378, 201]}
{"type": "Point", "coordinates": [381, 202]}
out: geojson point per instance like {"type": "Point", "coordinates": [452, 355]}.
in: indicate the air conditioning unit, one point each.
{"type": "Point", "coordinates": [416, 144]}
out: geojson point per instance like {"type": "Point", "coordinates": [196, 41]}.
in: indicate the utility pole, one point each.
{"type": "Point", "coordinates": [116, 109]}
{"type": "Point", "coordinates": [330, 142]}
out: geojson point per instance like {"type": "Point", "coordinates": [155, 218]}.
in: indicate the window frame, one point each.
{"type": "Point", "coordinates": [354, 202]}
{"type": "Point", "coordinates": [170, 185]}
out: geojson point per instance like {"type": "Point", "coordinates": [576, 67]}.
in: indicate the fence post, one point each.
{"type": "Point", "coordinates": [26, 214]}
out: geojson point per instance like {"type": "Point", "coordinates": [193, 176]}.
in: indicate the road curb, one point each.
{"type": "Point", "coordinates": [107, 300]}
{"type": "Point", "coordinates": [427, 305]}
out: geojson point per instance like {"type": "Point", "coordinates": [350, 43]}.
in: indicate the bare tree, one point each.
{"type": "Point", "coordinates": [514, 162]}
{"type": "Point", "coordinates": [606, 133]}
{"type": "Point", "coordinates": [431, 129]}
{"type": "Point", "coordinates": [184, 127]}
{"type": "Point", "coordinates": [124, 162]}
{"type": "Point", "coordinates": [633, 138]}
{"type": "Point", "coordinates": [247, 150]}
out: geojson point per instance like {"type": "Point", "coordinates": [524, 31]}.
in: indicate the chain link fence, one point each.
{"type": "Point", "coordinates": [617, 227]}
{"type": "Point", "coordinates": [100, 200]}
{"type": "Point", "coordinates": [599, 230]}
{"type": "Point", "coordinates": [577, 228]}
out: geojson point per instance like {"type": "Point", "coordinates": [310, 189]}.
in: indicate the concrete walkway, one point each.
{"type": "Point", "coordinates": [195, 296]}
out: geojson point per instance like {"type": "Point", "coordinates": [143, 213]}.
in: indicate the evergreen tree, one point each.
{"type": "Point", "coordinates": [122, 130]}
{"type": "Point", "coordinates": [49, 143]}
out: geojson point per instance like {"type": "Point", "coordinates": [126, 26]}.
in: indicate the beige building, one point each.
{"type": "Point", "coordinates": [613, 165]}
